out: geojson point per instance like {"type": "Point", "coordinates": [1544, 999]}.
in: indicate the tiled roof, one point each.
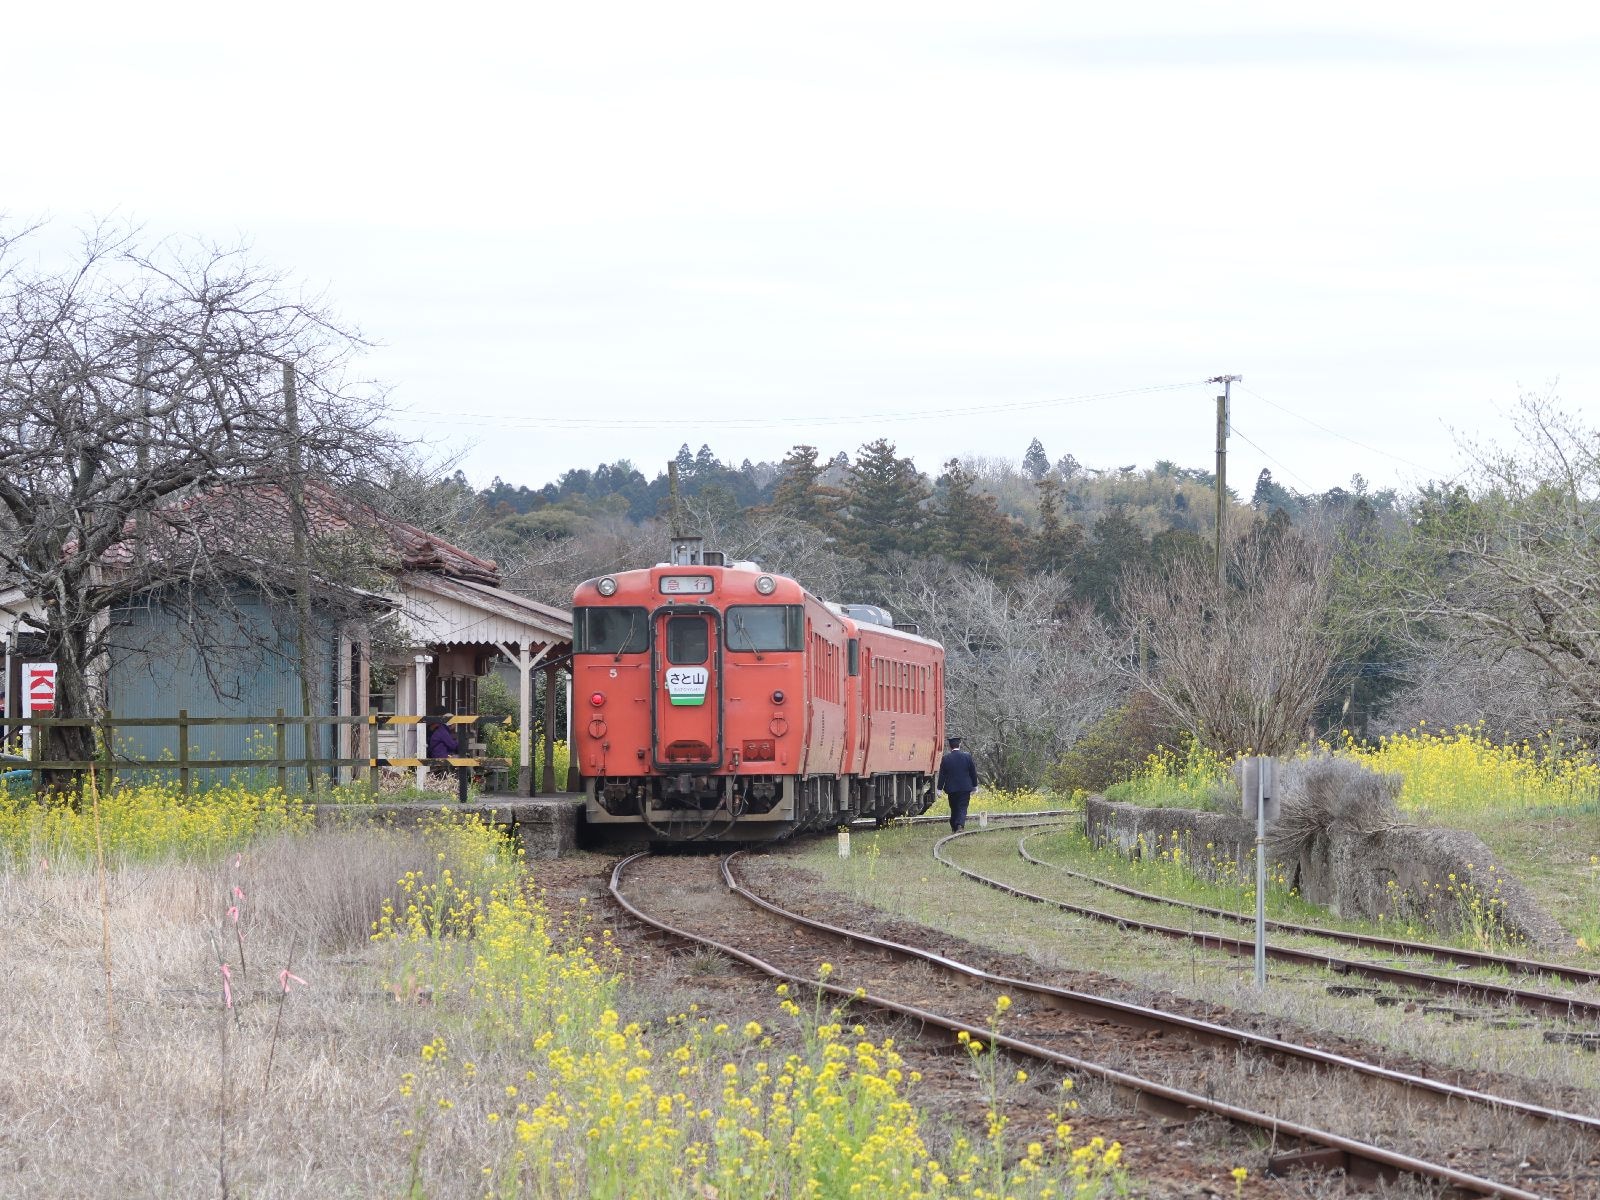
{"type": "Point", "coordinates": [254, 521]}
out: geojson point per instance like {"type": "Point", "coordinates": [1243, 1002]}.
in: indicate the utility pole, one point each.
{"type": "Point", "coordinates": [1224, 414]}
{"type": "Point", "coordinates": [297, 518]}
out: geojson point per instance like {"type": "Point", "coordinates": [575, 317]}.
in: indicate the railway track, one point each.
{"type": "Point", "coordinates": [1201, 1064]}
{"type": "Point", "coordinates": [1568, 1008]}
{"type": "Point", "coordinates": [1456, 956]}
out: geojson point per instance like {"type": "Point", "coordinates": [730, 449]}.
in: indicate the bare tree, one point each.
{"type": "Point", "coordinates": [1509, 564]}
{"type": "Point", "coordinates": [145, 438]}
{"type": "Point", "coordinates": [1244, 668]}
{"type": "Point", "coordinates": [1024, 676]}
{"type": "Point", "coordinates": [1450, 680]}
{"type": "Point", "coordinates": [547, 570]}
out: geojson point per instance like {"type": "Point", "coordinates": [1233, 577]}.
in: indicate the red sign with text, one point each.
{"type": "Point", "coordinates": [38, 688]}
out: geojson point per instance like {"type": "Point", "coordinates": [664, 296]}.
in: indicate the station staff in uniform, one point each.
{"type": "Point", "coordinates": [958, 779]}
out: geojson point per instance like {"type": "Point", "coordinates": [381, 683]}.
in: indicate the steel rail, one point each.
{"type": "Point", "coordinates": [1451, 954]}
{"type": "Point", "coordinates": [1358, 1159]}
{"type": "Point", "coordinates": [1493, 993]}
{"type": "Point", "coordinates": [1137, 1016]}
{"type": "Point", "coordinates": [1034, 815]}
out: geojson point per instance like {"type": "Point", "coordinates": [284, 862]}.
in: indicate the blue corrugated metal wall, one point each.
{"type": "Point", "coordinates": [156, 669]}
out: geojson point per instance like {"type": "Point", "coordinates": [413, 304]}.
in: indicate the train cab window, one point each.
{"type": "Point", "coordinates": [610, 630]}
{"type": "Point", "coordinates": [763, 627]}
{"type": "Point", "coordinates": [688, 640]}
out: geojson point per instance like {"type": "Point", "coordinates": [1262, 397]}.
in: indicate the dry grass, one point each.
{"type": "Point", "coordinates": [142, 1109]}
{"type": "Point", "coordinates": [1322, 792]}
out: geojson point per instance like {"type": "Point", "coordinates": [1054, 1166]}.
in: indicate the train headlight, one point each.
{"type": "Point", "coordinates": [607, 586]}
{"type": "Point", "coordinates": [597, 698]}
{"type": "Point", "coordinates": [766, 585]}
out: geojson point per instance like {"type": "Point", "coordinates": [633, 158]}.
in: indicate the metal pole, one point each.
{"type": "Point", "coordinates": [1263, 771]}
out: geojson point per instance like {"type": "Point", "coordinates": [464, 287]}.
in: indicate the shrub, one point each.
{"type": "Point", "coordinates": [1114, 749]}
{"type": "Point", "coordinates": [496, 703]}
{"type": "Point", "coordinates": [1323, 791]}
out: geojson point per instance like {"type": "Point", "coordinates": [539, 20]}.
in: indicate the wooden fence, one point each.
{"type": "Point", "coordinates": [280, 760]}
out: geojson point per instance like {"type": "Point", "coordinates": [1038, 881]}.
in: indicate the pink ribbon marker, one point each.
{"type": "Point", "coordinates": [284, 976]}
{"type": "Point", "coordinates": [238, 892]}
{"type": "Point", "coordinates": [227, 986]}
{"type": "Point", "coordinates": [233, 913]}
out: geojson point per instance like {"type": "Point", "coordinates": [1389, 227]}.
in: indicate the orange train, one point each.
{"type": "Point", "coordinates": [721, 702]}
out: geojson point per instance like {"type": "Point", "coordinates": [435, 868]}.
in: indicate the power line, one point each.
{"type": "Point", "coordinates": [1274, 461]}
{"type": "Point", "coordinates": [1332, 432]}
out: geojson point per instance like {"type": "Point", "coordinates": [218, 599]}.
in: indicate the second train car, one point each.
{"type": "Point", "coordinates": [722, 702]}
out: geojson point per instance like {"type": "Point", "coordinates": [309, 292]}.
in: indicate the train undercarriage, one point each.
{"type": "Point", "coordinates": [691, 806]}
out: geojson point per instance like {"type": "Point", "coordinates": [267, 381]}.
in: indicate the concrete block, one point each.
{"type": "Point", "coordinates": [546, 826]}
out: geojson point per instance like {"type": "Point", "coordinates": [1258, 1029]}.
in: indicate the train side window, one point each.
{"type": "Point", "coordinates": [610, 630]}
{"type": "Point", "coordinates": [688, 640]}
{"type": "Point", "coordinates": [855, 657]}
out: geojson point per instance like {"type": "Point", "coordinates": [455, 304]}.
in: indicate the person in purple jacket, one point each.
{"type": "Point", "coordinates": [958, 779]}
{"type": "Point", "coordinates": [442, 741]}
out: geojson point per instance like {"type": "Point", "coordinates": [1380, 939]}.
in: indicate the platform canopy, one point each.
{"type": "Point", "coordinates": [443, 611]}
{"type": "Point", "coordinates": [438, 610]}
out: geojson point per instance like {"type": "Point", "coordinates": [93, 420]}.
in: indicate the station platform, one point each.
{"type": "Point", "coordinates": [547, 826]}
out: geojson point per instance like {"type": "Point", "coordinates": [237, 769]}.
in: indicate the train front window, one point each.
{"type": "Point", "coordinates": [610, 630]}
{"type": "Point", "coordinates": [763, 627]}
{"type": "Point", "coordinates": [688, 640]}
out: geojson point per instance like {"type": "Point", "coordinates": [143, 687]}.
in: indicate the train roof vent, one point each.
{"type": "Point", "coordinates": [712, 558]}
{"type": "Point", "coordinates": [909, 627]}
{"type": "Point", "coordinates": [869, 614]}
{"type": "Point", "coordinates": [746, 565]}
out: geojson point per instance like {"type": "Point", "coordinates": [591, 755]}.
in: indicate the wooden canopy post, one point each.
{"type": "Point", "coordinates": [572, 740]}
{"type": "Point", "coordinates": [547, 777]}
{"type": "Point", "coordinates": [525, 663]}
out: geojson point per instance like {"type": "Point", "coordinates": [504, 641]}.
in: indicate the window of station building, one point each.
{"type": "Point", "coordinates": [759, 628]}
{"type": "Point", "coordinates": [688, 640]}
{"type": "Point", "coordinates": [620, 630]}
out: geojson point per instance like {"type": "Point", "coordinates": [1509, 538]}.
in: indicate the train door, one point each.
{"type": "Point", "coordinates": [688, 690]}
{"type": "Point", "coordinates": [865, 690]}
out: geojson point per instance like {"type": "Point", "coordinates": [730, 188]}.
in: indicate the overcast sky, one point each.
{"type": "Point", "coordinates": [583, 232]}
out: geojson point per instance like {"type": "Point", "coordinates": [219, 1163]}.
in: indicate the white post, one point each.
{"type": "Point", "coordinates": [525, 722]}
{"type": "Point", "coordinates": [420, 686]}
{"type": "Point", "coordinates": [1263, 787]}
{"type": "Point", "coordinates": [525, 665]}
